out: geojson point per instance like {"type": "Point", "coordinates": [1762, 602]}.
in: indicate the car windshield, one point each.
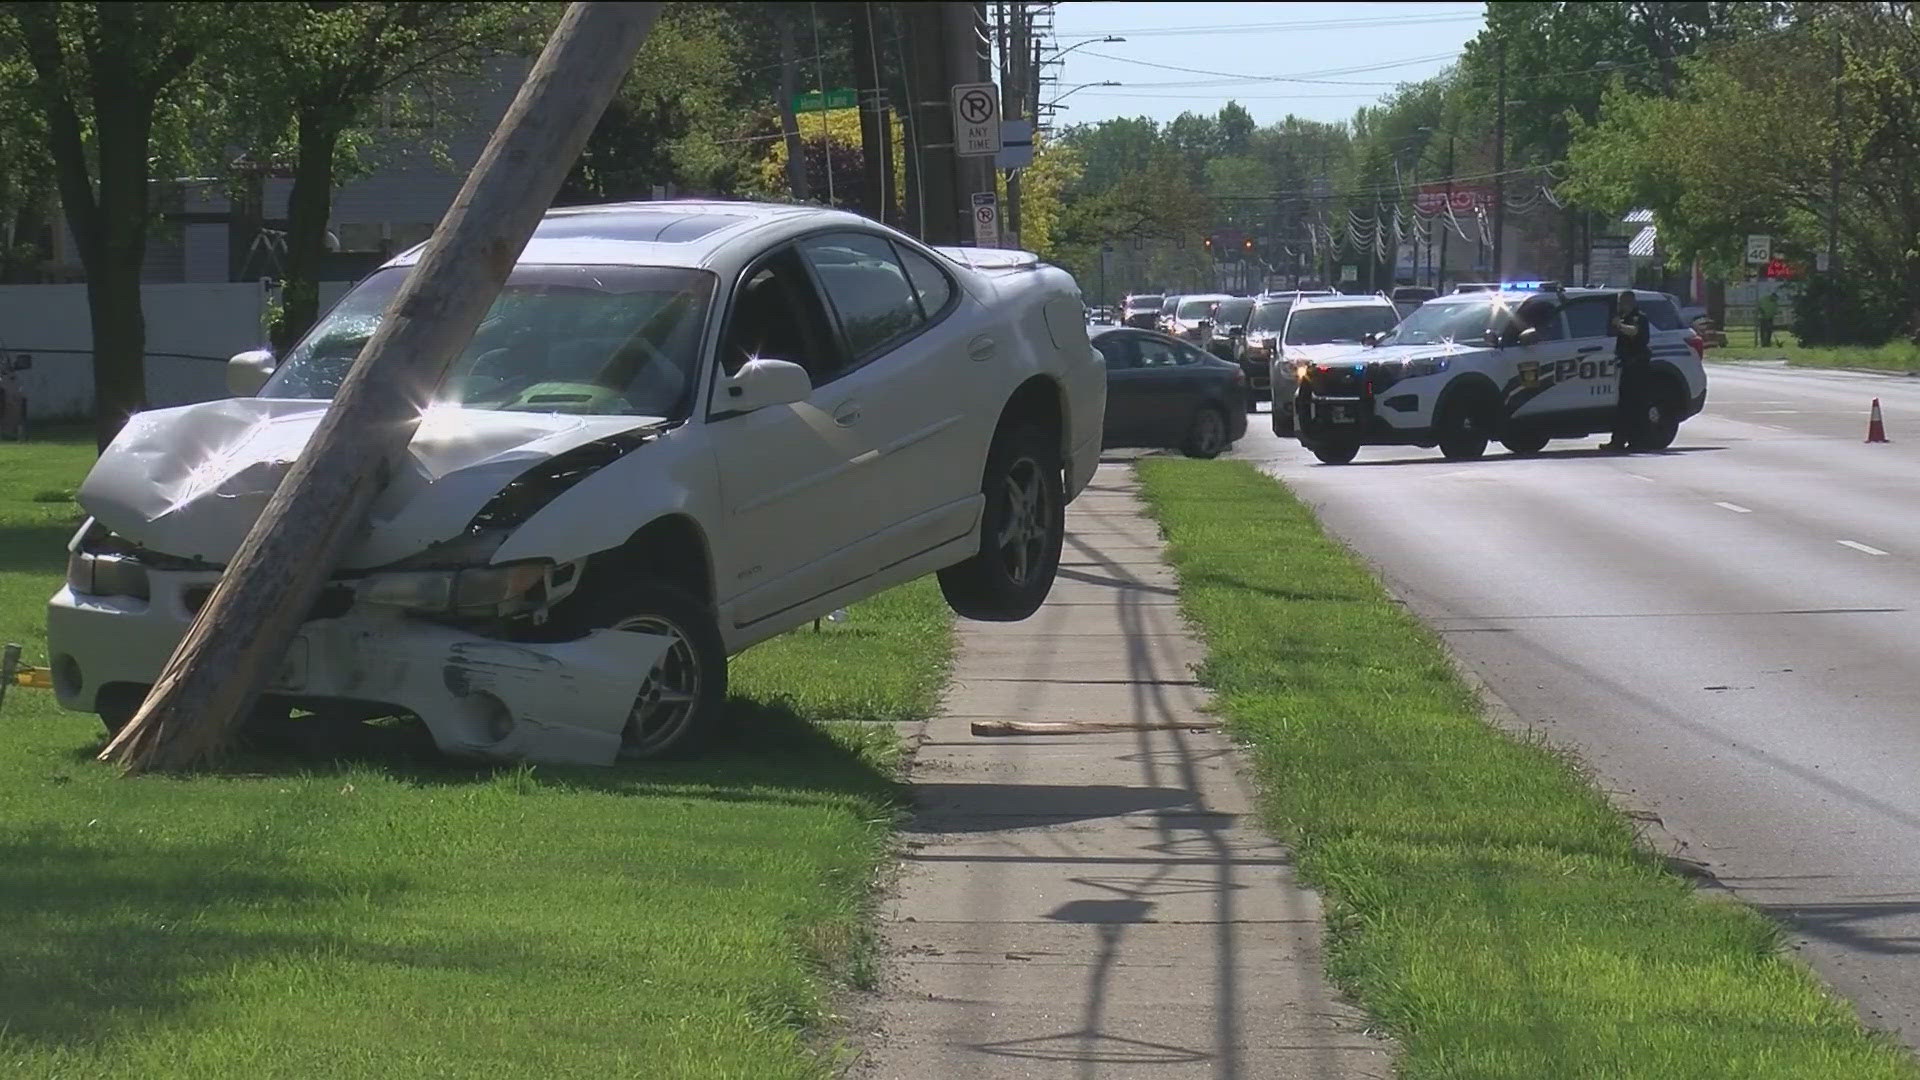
{"type": "Point", "coordinates": [1271, 317]}
{"type": "Point", "coordinates": [1322, 326]}
{"type": "Point", "coordinates": [601, 340]}
{"type": "Point", "coordinates": [1233, 312]}
{"type": "Point", "coordinates": [1143, 303]}
{"type": "Point", "coordinates": [1444, 323]}
{"type": "Point", "coordinates": [1196, 308]}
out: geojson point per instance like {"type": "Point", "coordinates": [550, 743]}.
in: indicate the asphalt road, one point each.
{"type": "Point", "coordinates": [1728, 633]}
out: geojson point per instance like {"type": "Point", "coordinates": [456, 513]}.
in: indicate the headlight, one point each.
{"type": "Point", "coordinates": [106, 575]}
{"type": "Point", "coordinates": [475, 591]}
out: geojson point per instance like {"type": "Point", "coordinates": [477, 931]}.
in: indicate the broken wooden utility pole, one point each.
{"type": "Point", "coordinates": [242, 633]}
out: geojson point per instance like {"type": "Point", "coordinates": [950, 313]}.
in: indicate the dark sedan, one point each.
{"type": "Point", "coordinates": [1165, 393]}
{"type": "Point", "coordinates": [1229, 326]}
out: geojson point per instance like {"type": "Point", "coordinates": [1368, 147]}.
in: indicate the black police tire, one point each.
{"type": "Point", "coordinates": [1662, 423]}
{"type": "Point", "coordinates": [1207, 433]}
{"type": "Point", "coordinates": [1022, 529]}
{"type": "Point", "coordinates": [1336, 453]}
{"type": "Point", "coordinates": [1464, 427]}
{"type": "Point", "coordinates": [1524, 445]}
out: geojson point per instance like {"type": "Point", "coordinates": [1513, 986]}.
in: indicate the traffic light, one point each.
{"type": "Point", "coordinates": [1247, 245]}
{"type": "Point", "coordinates": [1209, 243]}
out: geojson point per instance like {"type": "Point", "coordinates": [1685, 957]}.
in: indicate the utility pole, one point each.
{"type": "Point", "coordinates": [875, 176]}
{"type": "Point", "coordinates": [1833, 196]}
{"type": "Point", "coordinates": [932, 112]}
{"type": "Point", "coordinates": [1500, 167]}
{"type": "Point", "coordinates": [1015, 27]}
{"type": "Point", "coordinates": [962, 25]}
{"type": "Point", "coordinates": [241, 635]}
{"type": "Point", "coordinates": [1439, 282]}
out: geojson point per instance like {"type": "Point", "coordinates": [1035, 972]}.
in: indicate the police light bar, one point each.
{"type": "Point", "coordinates": [1531, 286]}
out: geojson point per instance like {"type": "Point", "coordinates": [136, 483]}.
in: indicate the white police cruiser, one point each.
{"type": "Point", "coordinates": [1524, 364]}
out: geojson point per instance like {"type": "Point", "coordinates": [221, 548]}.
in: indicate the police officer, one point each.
{"type": "Point", "coordinates": [1633, 361]}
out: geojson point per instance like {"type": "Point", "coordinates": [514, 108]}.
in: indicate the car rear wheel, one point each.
{"type": "Point", "coordinates": [1523, 445]}
{"type": "Point", "coordinates": [681, 703]}
{"type": "Point", "coordinates": [1337, 453]}
{"type": "Point", "coordinates": [1464, 427]}
{"type": "Point", "coordinates": [1021, 531]}
{"type": "Point", "coordinates": [1662, 423]}
{"type": "Point", "coordinates": [1207, 435]}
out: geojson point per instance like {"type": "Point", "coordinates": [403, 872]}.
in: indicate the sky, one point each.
{"type": "Point", "coordinates": [1259, 54]}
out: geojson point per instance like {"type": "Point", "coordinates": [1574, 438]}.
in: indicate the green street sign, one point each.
{"type": "Point", "coordinates": [814, 100]}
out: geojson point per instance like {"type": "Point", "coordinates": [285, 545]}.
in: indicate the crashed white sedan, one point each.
{"type": "Point", "coordinates": [682, 429]}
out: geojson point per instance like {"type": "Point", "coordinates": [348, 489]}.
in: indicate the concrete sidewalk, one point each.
{"type": "Point", "coordinates": [1098, 905]}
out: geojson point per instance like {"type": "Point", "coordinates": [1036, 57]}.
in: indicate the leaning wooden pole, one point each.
{"type": "Point", "coordinates": [241, 635]}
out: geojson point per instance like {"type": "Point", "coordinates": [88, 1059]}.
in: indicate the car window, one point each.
{"type": "Point", "coordinates": [1118, 351]}
{"type": "Point", "coordinates": [1190, 354]}
{"type": "Point", "coordinates": [1197, 308]}
{"type": "Point", "coordinates": [1234, 312]}
{"type": "Point", "coordinates": [1160, 354]}
{"type": "Point", "coordinates": [778, 314]}
{"type": "Point", "coordinates": [1588, 317]}
{"type": "Point", "coordinates": [1321, 326]}
{"type": "Point", "coordinates": [928, 280]}
{"type": "Point", "coordinates": [1543, 314]}
{"type": "Point", "coordinates": [1443, 323]}
{"type": "Point", "coordinates": [1661, 314]}
{"type": "Point", "coordinates": [595, 340]}
{"type": "Point", "coordinates": [867, 289]}
{"type": "Point", "coordinates": [1270, 317]}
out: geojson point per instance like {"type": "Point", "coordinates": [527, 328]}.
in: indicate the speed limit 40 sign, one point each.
{"type": "Point", "coordinates": [1759, 250]}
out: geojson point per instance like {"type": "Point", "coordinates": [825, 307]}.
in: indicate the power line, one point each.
{"type": "Point", "coordinates": [1308, 77]}
{"type": "Point", "coordinates": [1321, 24]}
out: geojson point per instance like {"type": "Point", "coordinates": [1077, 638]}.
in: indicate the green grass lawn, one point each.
{"type": "Point", "coordinates": [1484, 900]}
{"type": "Point", "coordinates": [1893, 356]}
{"type": "Point", "coordinates": [308, 919]}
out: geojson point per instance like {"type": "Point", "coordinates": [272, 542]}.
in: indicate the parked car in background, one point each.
{"type": "Point", "coordinates": [1169, 303]}
{"type": "Point", "coordinates": [1165, 393]}
{"type": "Point", "coordinates": [1101, 316]}
{"type": "Point", "coordinates": [1192, 317]}
{"type": "Point", "coordinates": [1229, 326]}
{"type": "Point", "coordinates": [1142, 310]}
{"type": "Point", "coordinates": [682, 428]}
{"type": "Point", "coordinates": [1320, 328]}
{"type": "Point", "coordinates": [1261, 343]}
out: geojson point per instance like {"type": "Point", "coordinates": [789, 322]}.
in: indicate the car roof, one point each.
{"type": "Point", "coordinates": [1342, 300]}
{"type": "Point", "coordinates": [686, 233]}
{"type": "Point", "coordinates": [1575, 293]}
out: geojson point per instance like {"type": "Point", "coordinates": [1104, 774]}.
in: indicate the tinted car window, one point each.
{"type": "Point", "coordinates": [1270, 316]}
{"type": "Point", "coordinates": [1233, 312]}
{"type": "Point", "coordinates": [1588, 318]}
{"type": "Point", "coordinates": [932, 285]}
{"type": "Point", "coordinates": [1661, 314]}
{"type": "Point", "coordinates": [1310, 326]}
{"type": "Point", "coordinates": [1117, 350]}
{"type": "Point", "coordinates": [867, 287]}
{"type": "Point", "coordinates": [1196, 308]}
{"type": "Point", "coordinates": [1144, 303]}
{"type": "Point", "coordinates": [1160, 354]}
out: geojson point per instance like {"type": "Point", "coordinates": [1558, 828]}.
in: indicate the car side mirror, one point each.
{"type": "Point", "coordinates": [1370, 339]}
{"type": "Point", "coordinates": [1529, 335]}
{"type": "Point", "coordinates": [247, 372]}
{"type": "Point", "coordinates": [23, 361]}
{"type": "Point", "coordinates": [1495, 340]}
{"type": "Point", "coordinates": [764, 382]}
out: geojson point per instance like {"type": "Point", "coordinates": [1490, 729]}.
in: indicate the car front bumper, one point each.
{"type": "Point", "coordinates": [562, 703]}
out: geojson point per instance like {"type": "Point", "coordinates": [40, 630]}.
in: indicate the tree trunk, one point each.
{"type": "Point", "coordinates": [790, 124]}
{"type": "Point", "coordinates": [309, 205]}
{"type": "Point", "coordinates": [113, 264]}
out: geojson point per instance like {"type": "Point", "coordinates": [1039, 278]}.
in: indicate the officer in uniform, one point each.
{"type": "Point", "coordinates": [1633, 363]}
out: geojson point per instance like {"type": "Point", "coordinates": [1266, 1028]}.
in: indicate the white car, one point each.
{"type": "Point", "coordinates": [1318, 328]}
{"type": "Point", "coordinates": [683, 428]}
{"type": "Point", "coordinates": [1192, 316]}
{"type": "Point", "coordinates": [1523, 365]}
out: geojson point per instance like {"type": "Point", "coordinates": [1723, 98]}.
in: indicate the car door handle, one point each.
{"type": "Point", "coordinates": [1588, 349]}
{"type": "Point", "coordinates": [980, 349]}
{"type": "Point", "coordinates": [848, 414]}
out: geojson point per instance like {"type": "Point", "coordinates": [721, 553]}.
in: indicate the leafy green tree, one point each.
{"type": "Point", "coordinates": [103, 77]}
{"type": "Point", "coordinates": [307, 79]}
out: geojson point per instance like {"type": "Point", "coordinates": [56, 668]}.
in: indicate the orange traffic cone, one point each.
{"type": "Point", "coordinates": [1876, 431]}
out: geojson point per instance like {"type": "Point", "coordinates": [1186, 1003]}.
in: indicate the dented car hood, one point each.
{"type": "Point", "coordinates": [191, 481]}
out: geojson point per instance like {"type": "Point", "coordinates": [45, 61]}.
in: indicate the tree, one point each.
{"type": "Point", "coordinates": [308, 77]}
{"type": "Point", "coordinates": [103, 75]}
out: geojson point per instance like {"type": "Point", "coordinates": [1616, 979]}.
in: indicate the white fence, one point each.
{"type": "Point", "coordinates": [191, 331]}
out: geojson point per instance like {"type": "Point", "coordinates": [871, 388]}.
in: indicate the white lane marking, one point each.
{"type": "Point", "coordinates": [1858, 546]}
{"type": "Point", "coordinates": [1776, 412]}
{"type": "Point", "coordinates": [1648, 479]}
{"type": "Point", "coordinates": [1733, 507]}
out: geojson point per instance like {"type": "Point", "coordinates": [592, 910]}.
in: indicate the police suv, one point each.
{"type": "Point", "coordinates": [1523, 364]}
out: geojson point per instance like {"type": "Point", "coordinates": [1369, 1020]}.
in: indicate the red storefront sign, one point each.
{"type": "Point", "coordinates": [1432, 198]}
